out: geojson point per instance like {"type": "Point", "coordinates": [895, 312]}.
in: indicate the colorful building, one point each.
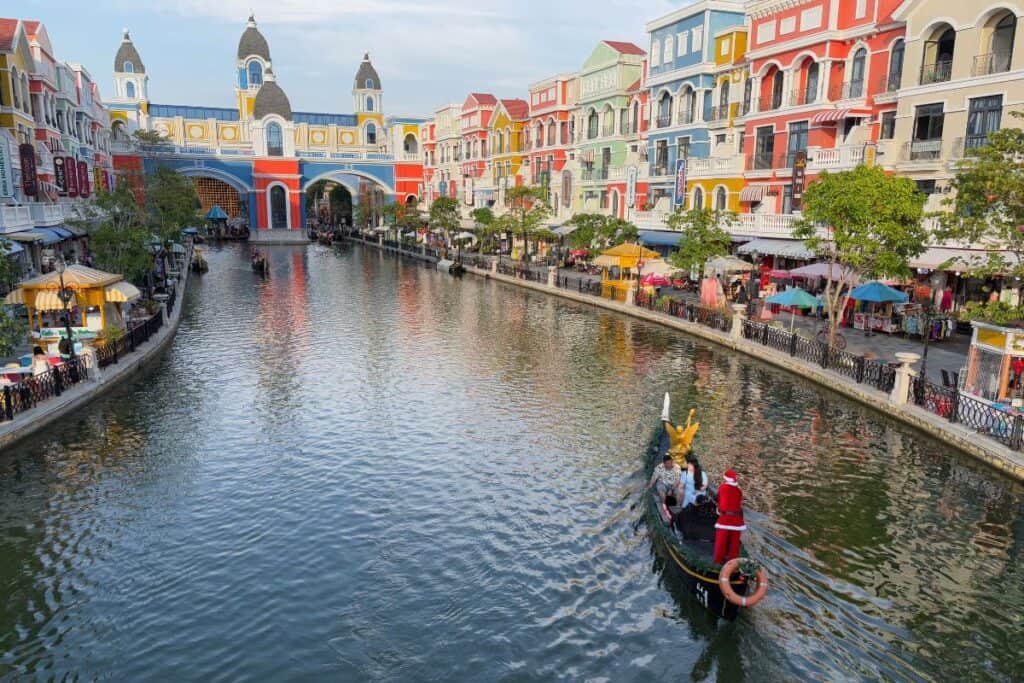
{"type": "Point", "coordinates": [474, 129]}
{"type": "Point", "coordinates": [258, 158]}
{"type": "Point", "coordinates": [506, 133]}
{"type": "Point", "coordinates": [549, 140]}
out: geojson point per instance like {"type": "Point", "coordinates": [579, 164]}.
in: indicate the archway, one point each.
{"type": "Point", "coordinates": [213, 191]}
{"type": "Point", "coordinates": [278, 198]}
{"type": "Point", "coordinates": [330, 202]}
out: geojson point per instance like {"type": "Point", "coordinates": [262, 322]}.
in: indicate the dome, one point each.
{"type": "Point", "coordinates": [128, 53]}
{"type": "Point", "coordinates": [252, 42]}
{"type": "Point", "coordinates": [367, 73]}
{"type": "Point", "coordinates": [270, 99]}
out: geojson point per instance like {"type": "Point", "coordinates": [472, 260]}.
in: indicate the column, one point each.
{"type": "Point", "coordinates": [904, 378]}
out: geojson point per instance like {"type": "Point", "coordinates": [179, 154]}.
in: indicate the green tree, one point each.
{"type": "Point", "coordinates": [444, 217]}
{"type": "Point", "coordinates": [486, 229]}
{"type": "Point", "coordinates": [597, 231]}
{"type": "Point", "coordinates": [12, 330]}
{"type": "Point", "coordinates": [171, 203]}
{"type": "Point", "coordinates": [986, 208]}
{"type": "Point", "coordinates": [527, 210]}
{"type": "Point", "coordinates": [704, 236]}
{"type": "Point", "coordinates": [872, 227]}
{"type": "Point", "coordinates": [150, 138]}
{"type": "Point", "coordinates": [118, 236]}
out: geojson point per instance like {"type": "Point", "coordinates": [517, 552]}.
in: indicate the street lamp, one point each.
{"type": "Point", "coordinates": [65, 295]}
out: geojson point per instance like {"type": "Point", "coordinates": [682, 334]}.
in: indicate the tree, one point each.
{"type": "Point", "coordinates": [597, 231]}
{"type": "Point", "coordinates": [12, 330]}
{"type": "Point", "coordinates": [987, 207]}
{"type": "Point", "coordinates": [873, 225]}
{"type": "Point", "coordinates": [150, 138]}
{"type": "Point", "coordinates": [704, 237]}
{"type": "Point", "coordinates": [527, 210]}
{"type": "Point", "coordinates": [402, 216]}
{"type": "Point", "coordinates": [171, 203]}
{"type": "Point", "coordinates": [486, 228]}
{"type": "Point", "coordinates": [444, 217]}
{"type": "Point", "coordinates": [118, 237]}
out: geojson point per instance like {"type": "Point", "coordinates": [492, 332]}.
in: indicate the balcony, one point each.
{"type": "Point", "coordinates": [409, 156]}
{"type": "Point", "coordinates": [846, 157]}
{"type": "Point", "coordinates": [798, 98]}
{"type": "Point", "coordinates": [922, 150]}
{"type": "Point", "coordinates": [663, 121]}
{"type": "Point", "coordinates": [765, 225]}
{"type": "Point", "coordinates": [46, 214]}
{"type": "Point", "coordinates": [619, 173]}
{"type": "Point", "coordinates": [715, 166]}
{"type": "Point", "coordinates": [761, 161]}
{"type": "Point", "coordinates": [848, 90]}
{"type": "Point", "coordinates": [939, 72]}
{"type": "Point", "coordinates": [685, 118]}
{"type": "Point", "coordinates": [15, 218]}
{"type": "Point", "coordinates": [992, 63]}
{"type": "Point", "coordinates": [718, 114]}
{"type": "Point", "coordinates": [769, 103]}
{"type": "Point", "coordinates": [658, 170]}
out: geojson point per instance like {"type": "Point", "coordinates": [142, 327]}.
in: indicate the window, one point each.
{"type": "Point", "coordinates": [1000, 47]}
{"type": "Point", "coordinates": [683, 147]}
{"type": "Point", "coordinates": [926, 186]}
{"type": "Point", "coordinates": [887, 129]}
{"type": "Point", "coordinates": [660, 158]}
{"type": "Point", "coordinates": [937, 66]}
{"type": "Point", "coordinates": [368, 84]}
{"type": "Point", "coordinates": [682, 43]}
{"type": "Point", "coordinates": [928, 120]}
{"type": "Point", "coordinates": [15, 88]}
{"type": "Point", "coordinates": [255, 74]}
{"type": "Point", "coordinates": [278, 208]}
{"type": "Point", "coordinates": [128, 68]}
{"type": "Point", "coordinates": [747, 90]}
{"type": "Point", "coordinates": [698, 38]}
{"type": "Point", "coordinates": [720, 199]}
{"type": "Point", "coordinates": [764, 147]}
{"type": "Point", "coordinates": [698, 197]}
{"type": "Point", "coordinates": [275, 140]}
{"type": "Point", "coordinates": [983, 117]}
{"type": "Point", "coordinates": [777, 80]}
{"type": "Point", "coordinates": [857, 73]}
{"type": "Point", "coordinates": [371, 134]}
{"type": "Point", "coordinates": [551, 133]}
{"type": "Point", "coordinates": [369, 104]}
{"type": "Point", "coordinates": [690, 106]}
{"type": "Point", "coordinates": [895, 66]}
{"type": "Point", "coordinates": [655, 53]}
{"type": "Point", "coordinates": [636, 117]}
{"type": "Point", "coordinates": [811, 86]}
{"type": "Point", "coordinates": [797, 141]}
{"type": "Point", "coordinates": [592, 123]}
{"type": "Point", "coordinates": [608, 118]}
{"type": "Point", "coordinates": [723, 99]}
{"type": "Point", "coordinates": [861, 9]}
{"type": "Point", "coordinates": [623, 121]}
{"type": "Point", "coordinates": [129, 90]}
{"type": "Point", "coordinates": [669, 46]}
{"type": "Point", "coordinates": [720, 139]}
{"type": "Point", "coordinates": [664, 110]}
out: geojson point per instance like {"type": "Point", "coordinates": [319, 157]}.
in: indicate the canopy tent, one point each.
{"type": "Point", "coordinates": [216, 214]}
{"type": "Point", "coordinates": [728, 264]}
{"type": "Point", "coordinates": [658, 267]}
{"type": "Point", "coordinates": [465, 236]}
{"type": "Point", "coordinates": [878, 293]}
{"type": "Point", "coordinates": [37, 235]}
{"type": "Point", "coordinates": [563, 230]}
{"type": "Point", "coordinates": [795, 249]}
{"type": "Point", "coordinates": [121, 292]}
{"type": "Point", "coordinates": [190, 231]}
{"type": "Point", "coordinates": [838, 271]}
{"type": "Point", "coordinates": [9, 248]}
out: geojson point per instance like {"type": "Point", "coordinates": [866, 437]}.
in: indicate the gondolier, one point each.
{"type": "Point", "coordinates": [730, 525]}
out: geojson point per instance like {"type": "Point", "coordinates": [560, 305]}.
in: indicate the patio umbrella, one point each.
{"type": "Point", "coordinates": [876, 293]}
{"type": "Point", "coordinates": [216, 214]}
{"type": "Point", "coordinates": [794, 297]}
{"type": "Point", "coordinates": [655, 280]}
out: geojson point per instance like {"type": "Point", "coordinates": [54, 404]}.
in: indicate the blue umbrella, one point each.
{"type": "Point", "coordinates": [216, 214]}
{"type": "Point", "coordinates": [794, 297]}
{"type": "Point", "coordinates": [877, 293]}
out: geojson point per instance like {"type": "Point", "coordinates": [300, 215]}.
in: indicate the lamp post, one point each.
{"type": "Point", "coordinates": [65, 295]}
{"type": "Point", "coordinates": [756, 255]}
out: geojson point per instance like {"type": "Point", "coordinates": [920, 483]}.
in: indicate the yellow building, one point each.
{"type": "Point", "coordinates": [507, 145]}
{"type": "Point", "coordinates": [16, 67]}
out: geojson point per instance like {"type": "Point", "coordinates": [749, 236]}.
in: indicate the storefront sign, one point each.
{"type": "Point", "coordinates": [631, 175]}
{"type": "Point", "coordinates": [60, 175]}
{"type": "Point", "coordinates": [83, 179]}
{"type": "Point", "coordinates": [799, 171]}
{"type": "Point", "coordinates": [71, 173]}
{"type": "Point", "coordinates": [679, 195]}
{"type": "Point", "coordinates": [566, 188]}
{"type": "Point", "coordinates": [6, 171]}
{"type": "Point", "coordinates": [29, 181]}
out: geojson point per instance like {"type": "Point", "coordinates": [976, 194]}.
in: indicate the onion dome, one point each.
{"type": "Point", "coordinates": [270, 99]}
{"type": "Point", "coordinates": [127, 54]}
{"type": "Point", "coordinates": [252, 42]}
{"type": "Point", "coordinates": [366, 77]}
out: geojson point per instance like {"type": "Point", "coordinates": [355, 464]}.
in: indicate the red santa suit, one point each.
{"type": "Point", "coordinates": [730, 525]}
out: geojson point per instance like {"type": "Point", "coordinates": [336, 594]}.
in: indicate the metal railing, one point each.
{"type": "Point", "coordinates": [112, 352]}
{"type": "Point", "coordinates": [34, 390]}
{"type": "Point", "coordinates": [922, 150]}
{"type": "Point", "coordinates": [663, 121]}
{"type": "Point", "coordinates": [992, 63]}
{"type": "Point", "coordinates": [980, 416]}
{"type": "Point", "coordinates": [939, 72]}
{"type": "Point", "coordinates": [847, 90]}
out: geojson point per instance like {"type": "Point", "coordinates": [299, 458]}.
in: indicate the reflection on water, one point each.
{"type": "Point", "coordinates": [361, 469]}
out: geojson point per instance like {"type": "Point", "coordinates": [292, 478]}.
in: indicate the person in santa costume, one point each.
{"type": "Point", "coordinates": [729, 526]}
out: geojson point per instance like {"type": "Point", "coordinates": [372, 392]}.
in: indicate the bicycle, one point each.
{"type": "Point", "coordinates": [822, 337]}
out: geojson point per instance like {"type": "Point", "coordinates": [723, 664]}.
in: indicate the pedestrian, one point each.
{"type": "Point", "coordinates": [730, 525]}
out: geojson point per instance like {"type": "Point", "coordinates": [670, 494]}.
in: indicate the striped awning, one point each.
{"type": "Point", "coordinates": [121, 292]}
{"type": "Point", "coordinates": [753, 193]}
{"type": "Point", "coordinates": [795, 249]}
{"type": "Point", "coordinates": [833, 115]}
{"type": "Point", "coordinates": [15, 296]}
{"type": "Point", "coordinates": [47, 300]}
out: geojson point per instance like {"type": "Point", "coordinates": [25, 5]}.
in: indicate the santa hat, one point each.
{"type": "Point", "coordinates": [730, 476]}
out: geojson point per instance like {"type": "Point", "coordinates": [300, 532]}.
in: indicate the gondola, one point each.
{"type": "Point", "coordinates": [686, 537]}
{"type": "Point", "coordinates": [259, 264]}
{"type": "Point", "coordinates": [199, 264]}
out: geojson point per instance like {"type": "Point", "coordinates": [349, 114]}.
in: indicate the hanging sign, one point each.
{"type": "Point", "coordinates": [83, 179]}
{"type": "Point", "coordinates": [29, 181]}
{"type": "Point", "coordinates": [631, 175]}
{"type": "Point", "coordinates": [679, 195]}
{"type": "Point", "coordinates": [60, 175]}
{"type": "Point", "coordinates": [71, 172]}
{"type": "Point", "coordinates": [799, 171]}
{"type": "Point", "coordinates": [6, 171]}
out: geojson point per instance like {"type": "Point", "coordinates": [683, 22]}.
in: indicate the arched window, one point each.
{"type": "Point", "coordinates": [410, 145]}
{"type": "Point", "coordinates": [369, 104]}
{"type": "Point", "coordinates": [129, 90]}
{"type": "Point", "coordinates": [723, 99]}
{"type": "Point", "coordinates": [655, 53]}
{"type": "Point", "coordinates": [128, 68]}
{"type": "Point", "coordinates": [608, 119]}
{"type": "Point", "coordinates": [592, 125]}
{"type": "Point", "coordinates": [255, 74]}
{"type": "Point", "coordinates": [895, 66]}
{"type": "Point", "coordinates": [937, 64]}
{"type": "Point", "coordinates": [615, 204]}
{"type": "Point", "coordinates": [811, 85]}
{"type": "Point", "coordinates": [777, 81]}
{"type": "Point", "coordinates": [720, 199]}
{"type": "Point", "coordinates": [748, 89]}
{"type": "Point", "coordinates": [1001, 44]}
{"type": "Point", "coordinates": [499, 143]}
{"type": "Point", "coordinates": [551, 133]}
{"type": "Point", "coordinates": [636, 116]}
{"type": "Point", "coordinates": [275, 140]}
{"type": "Point", "coordinates": [278, 208]}
{"type": "Point", "coordinates": [698, 198]}
{"type": "Point", "coordinates": [857, 72]}
{"type": "Point", "coordinates": [368, 83]}
{"type": "Point", "coordinates": [371, 134]}
{"type": "Point", "coordinates": [664, 110]}
{"type": "Point", "coordinates": [15, 87]}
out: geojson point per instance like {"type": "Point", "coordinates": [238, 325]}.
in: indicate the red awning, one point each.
{"type": "Point", "coordinates": [833, 115]}
{"type": "Point", "coordinates": [753, 193]}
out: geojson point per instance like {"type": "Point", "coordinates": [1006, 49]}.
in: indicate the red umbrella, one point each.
{"type": "Point", "coordinates": [655, 280]}
{"type": "Point", "coordinates": [579, 252]}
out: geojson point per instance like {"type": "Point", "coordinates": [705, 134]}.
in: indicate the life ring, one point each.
{"type": "Point", "coordinates": [724, 582]}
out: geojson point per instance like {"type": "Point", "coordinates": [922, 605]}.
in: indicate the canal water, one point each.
{"type": "Point", "coordinates": [361, 469]}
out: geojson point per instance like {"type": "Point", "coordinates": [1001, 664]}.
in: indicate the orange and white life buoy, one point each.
{"type": "Point", "coordinates": [724, 582]}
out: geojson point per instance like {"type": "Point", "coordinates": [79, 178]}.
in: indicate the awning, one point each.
{"type": "Point", "coordinates": [76, 231]}
{"type": "Point", "coordinates": [121, 292]}
{"type": "Point", "coordinates": [47, 300]}
{"type": "Point", "coordinates": [60, 230]}
{"type": "Point", "coordinates": [941, 258]}
{"type": "Point", "coordinates": [563, 230]}
{"type": "Point", "coordinates": [833, 115]}
{"type": "Point", "coordinates": [660, 238]}
{"type": "Point", "coordinates": [9, 248]}
{"type": "Point", "coordinates": [753, 193]}
{"type": "Point", "coordinates": [796, 249]}
{"type": "Point", "coordinates": [50, 235]}
{"type": "Point", "coordinates": [27, 236]}
{"type": "Point", "coordinates": [15, 296]}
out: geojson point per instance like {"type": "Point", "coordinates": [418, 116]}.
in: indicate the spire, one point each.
{"type": "Point", "coordinates": [252, 43]}
{"type": "Point", "coordinates": [366, 77]}
{"type": "Point", "coordinates": [128, 55]}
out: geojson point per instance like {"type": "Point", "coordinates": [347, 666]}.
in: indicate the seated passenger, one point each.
{"type": "Point", "coordinates": [666, 478]}
{"type": "Point", "coordinates": [40, 363]}
{"type": "Point", "coordinates": [693, 481]}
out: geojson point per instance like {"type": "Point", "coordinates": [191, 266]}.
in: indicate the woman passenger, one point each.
{"type": "Point", "coordinates": [693, 481]}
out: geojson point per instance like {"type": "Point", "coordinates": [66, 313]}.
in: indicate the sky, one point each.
{"type": "Point", "coordinates": [428, 53]}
